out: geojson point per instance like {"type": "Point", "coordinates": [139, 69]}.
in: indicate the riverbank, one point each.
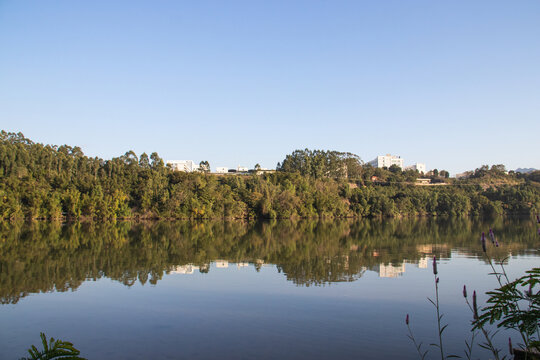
{"type": "Point", "coordinates": [47, 182]}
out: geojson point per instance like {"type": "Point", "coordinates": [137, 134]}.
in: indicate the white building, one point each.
{"type": "Point", "coordinates": [222, 170]}
{"type": "Point", "coordinates": [391, 271]}
{"type": "Point", "coordinates": [423, 263]}
{"type": "Point", "coordinates": [183, 165]}
{"type": "Point", "coordinates": [421, 167]}
{"type": "Point", "coordinates": [387, 161]}
{"type": "Point", "coordinates": [222, 264]}
{"type": "Point", "coordinates": [242, 169]}
{"type": "Point", "coordinates": [184, 269]}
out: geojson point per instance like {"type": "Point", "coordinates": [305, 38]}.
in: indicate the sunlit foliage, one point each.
{"type": "Point", "coordinates": [59, 182]}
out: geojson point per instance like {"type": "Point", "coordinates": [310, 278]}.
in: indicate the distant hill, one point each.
{"type": "Point", "coordinates": [525, 170]}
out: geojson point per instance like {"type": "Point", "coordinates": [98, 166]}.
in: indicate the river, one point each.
{"type": "Point", "coordinates": [328, 289]}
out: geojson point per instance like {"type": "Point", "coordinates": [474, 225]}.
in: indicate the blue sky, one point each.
{"type": "Point", "coordinates": [454, 84]}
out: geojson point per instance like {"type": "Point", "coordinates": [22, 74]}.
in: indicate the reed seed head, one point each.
{"type": "Point", "coordinates": [483, 239]}
{"type": "Point", "coordinates": [492, 236]}
{"type": "Point", "coordinates": [464, 291]}
{"type": "Point", "coordinates": [435, 265]}
{"type": "Point", "coordinates": [510, 347]}
{"type": "Point", "coordinates": [407, 319]}
{"type": "Point", "coordinates": [474, 305]}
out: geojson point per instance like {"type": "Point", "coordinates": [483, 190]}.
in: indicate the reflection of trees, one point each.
{"type": "Point", "coordinates": [44, 256]}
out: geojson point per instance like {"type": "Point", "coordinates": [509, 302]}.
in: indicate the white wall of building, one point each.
{"type": "Point", "coordinates": [421, 167]}
{"type": "Point", "coordinates": [185, 269]}
{"type": "Point", "coordinates": [222, 170]}
{"type": "Point", "coordinates": [387, 161]}
{"type": "Point", "coordinates": [183, 165]}
{"type": "Point", "coordinates": [222, 264]}
{"type": "Point", "coordinates": [390, 270]}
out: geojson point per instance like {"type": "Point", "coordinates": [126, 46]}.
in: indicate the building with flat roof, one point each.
{"type": "Point", "coordinates": [183, 165]}
{"type": "Point", "coordinates": [222, 170]}
{"type": "Point", "coordinates": [184, 269]}
{"type": "Point", "coordinates": [222, 264]}
{"type": "Point", "coordinates": [391, 271]}
{"type": "Point", "coordinates": [387, 161]}
{"type": "Point", "coordinates": [420, 167]}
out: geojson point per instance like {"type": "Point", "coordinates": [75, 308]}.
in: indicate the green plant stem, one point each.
{"type": "Point", "coordinates": [515, 303]}
{"type": "Point", "coordinates": [438, 317]}
{"type": "Point", "coordinates": [416, 345]}
{"type": "Point", "coordinates": [504, 272]}
{"type": "Point", "coordinates": [497, 274]}
{"type": "Point", "coordinates": [470, 347]}
{"type": "Point", "coordinates": [486, 335]}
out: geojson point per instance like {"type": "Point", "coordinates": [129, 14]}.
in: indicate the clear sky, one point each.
{"type": "Point", "coordinates": [454, 84]}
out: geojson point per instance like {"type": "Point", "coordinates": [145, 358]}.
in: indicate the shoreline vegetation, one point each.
{"type": "Point", "coordinates": [61, 183]}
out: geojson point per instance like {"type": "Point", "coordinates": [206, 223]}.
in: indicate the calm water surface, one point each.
{"type": "Point", "coordinates": [274, 290]}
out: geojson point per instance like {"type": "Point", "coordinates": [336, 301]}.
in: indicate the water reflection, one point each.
{"type": "Point", "coordinates": [43, 256]}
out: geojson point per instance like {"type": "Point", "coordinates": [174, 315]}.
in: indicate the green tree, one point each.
{"type": "Point", "coordinates": [144, 161]}
{"type": "Point", "coordinates": [157, 162]}
{"type": "Point", "coordinates": [204, 166]}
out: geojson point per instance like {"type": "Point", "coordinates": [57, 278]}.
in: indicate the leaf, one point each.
{"type": "Point", "coordinates": [443, 328]}
{"type": "Point", "coordinates": [484, 347]}
{"type": "Point", "coordinates": [54, 349]}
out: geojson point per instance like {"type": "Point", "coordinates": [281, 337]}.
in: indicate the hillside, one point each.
{"type": "Point", "coordinates": [55, 182]}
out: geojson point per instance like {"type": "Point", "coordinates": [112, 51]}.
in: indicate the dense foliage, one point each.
{"type": "Point", "coordinates": [49, 182]}
{"type": "Point", "coordinates": [320, 164]}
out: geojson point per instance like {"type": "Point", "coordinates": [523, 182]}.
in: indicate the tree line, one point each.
{"type": "Point", "coordinates": [55, 182]}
